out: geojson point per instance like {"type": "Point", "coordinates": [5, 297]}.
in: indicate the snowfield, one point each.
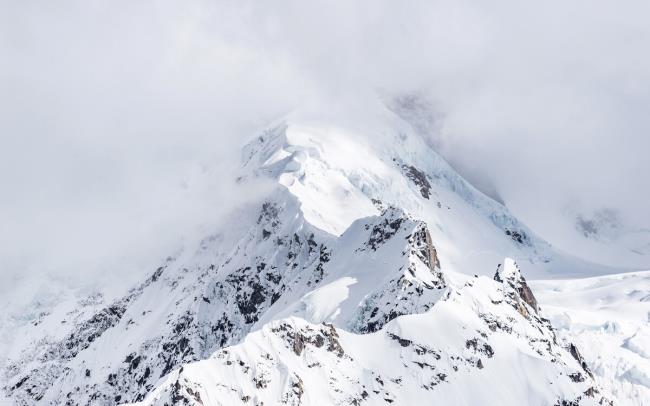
{"type": "Point", "coordinates": [609, 319]}
{"type": "Point", "coordinates": [371, 274]}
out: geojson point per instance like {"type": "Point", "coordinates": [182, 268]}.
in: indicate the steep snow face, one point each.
{"type": "Point", "coordinates": [190, 306]}
{"type": "Point", "coordinates": [369, 231]}
{"type": "Point", "coordinates": [340, 175]}
{"type": "Point", "coordinates": [480, 344]}
{"type": "Point", "coordinates": [382, 267]}
{"type": "Point", "coordinates": [608, 318]}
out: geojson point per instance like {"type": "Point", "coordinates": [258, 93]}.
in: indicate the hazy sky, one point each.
{"type": "Point", "coordinates": [110, 109]}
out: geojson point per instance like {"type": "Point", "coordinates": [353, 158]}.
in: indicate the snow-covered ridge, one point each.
{"type": "Point", "coordinates": [340, 175]}
{"type": "Point", "coordinates": [462, 350]}
{"type": "Point", "coordinates": [183, 313]}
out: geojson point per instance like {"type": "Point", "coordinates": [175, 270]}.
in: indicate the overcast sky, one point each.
{"type": "Point", "coordinates": [110, 109]}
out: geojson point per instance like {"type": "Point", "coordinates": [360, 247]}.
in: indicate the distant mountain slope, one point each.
{"type": "Point", "coordinates": [608, 317]}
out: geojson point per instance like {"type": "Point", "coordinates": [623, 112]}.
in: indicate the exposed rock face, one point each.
{"type": "Point", "coordinates": [416, 286]}
{"type": "Point", "coordinates": [510, 274]}
{"type": "Point", "coordinates": [392, 220]}
{"type": "Point", "coordinates": [578, 357]}
{"type": "Point", "coordinates": [517, 236]}
{"type": "Point", "coordinates": [426, 251]}
{"type": "Point", "coordinates": [419, 178]}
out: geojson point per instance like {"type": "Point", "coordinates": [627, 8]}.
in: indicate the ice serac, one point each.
{"type": "Point", "coordinates": [363, 277]}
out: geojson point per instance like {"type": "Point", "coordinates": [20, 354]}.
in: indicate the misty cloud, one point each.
{"type": "Point", "coordinates": [110, 109]}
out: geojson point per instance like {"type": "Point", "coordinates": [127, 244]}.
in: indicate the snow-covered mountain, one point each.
{"type": "Point", "coordinates": [372, 273]}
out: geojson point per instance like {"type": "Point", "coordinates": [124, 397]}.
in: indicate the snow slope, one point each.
{"type": "Point", "coordinates": [609, 319]}
{"type": "Point", "coordinates": [371, 261]}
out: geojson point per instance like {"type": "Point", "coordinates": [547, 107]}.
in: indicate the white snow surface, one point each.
{"type": "Point", "coordinates": [608, 317]}
{"type": "Point", "coordinates": [367, 276]}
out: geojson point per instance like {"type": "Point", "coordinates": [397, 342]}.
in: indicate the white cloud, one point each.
{"type": "Point", "coordinates": [107, 107]}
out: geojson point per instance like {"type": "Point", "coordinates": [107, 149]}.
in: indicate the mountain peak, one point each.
{"type": "Point", "coordinates": [509, 274]}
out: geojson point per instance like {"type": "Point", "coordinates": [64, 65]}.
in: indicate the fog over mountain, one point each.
{"type": "Point", "coordinates": [108, 106]}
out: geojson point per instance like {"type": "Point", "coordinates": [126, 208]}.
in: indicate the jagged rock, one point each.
{"type": "Point", "coordinates": [419, 178]}
{"type": "Point", "coordinates": [517, 236]}
{"type": "Point", "coordinates": [573, 350]}
{"type": "Point", "coordinates": [510, 274]}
